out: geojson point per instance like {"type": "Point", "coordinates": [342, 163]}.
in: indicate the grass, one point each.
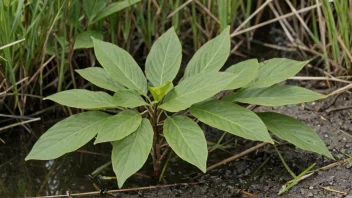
{"type": "Point", "coordinates": [47, 57]}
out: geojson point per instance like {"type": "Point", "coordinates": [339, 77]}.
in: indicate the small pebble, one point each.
{"type": "Point", "coordinates": [310, 195]}
{"type": "Point", "coordinates": [311, 187]}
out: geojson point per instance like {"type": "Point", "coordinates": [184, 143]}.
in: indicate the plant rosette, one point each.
{"type": "Point", "coordinates": [158, 115]}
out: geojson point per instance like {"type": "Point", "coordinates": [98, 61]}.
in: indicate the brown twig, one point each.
{"type": "Point", "coordinates": [252, 149]}
{"type": "Point", "coordinates": [122, 190]}
{"type": "Point", "coordinates": [332, 190]}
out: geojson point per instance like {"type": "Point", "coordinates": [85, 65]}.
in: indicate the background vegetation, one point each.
{"type": "Point", "coordinates": [57, 34]}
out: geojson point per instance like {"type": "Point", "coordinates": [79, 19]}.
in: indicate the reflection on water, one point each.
{"type": "Point", "coordinates": [69, 172]}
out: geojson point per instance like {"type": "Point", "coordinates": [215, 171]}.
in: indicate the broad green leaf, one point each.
{"type": "Point", "coordinates": [276, 70]}
{"type": "Point", "coordinates": [211, 56]}
{"type": "Point", "coordinates": [295, 132]}
{"type": "Point", "coordinates": [83, 99]}
{"type": "Point", "coordinates": [118, 126]}
{"type": "Point", "coordinates": [67, 135]}
{"type": "Point", "coordinates": [196, 89]}
{"type": "Point", "coordinates": [130, 154]}
{"type": "Point", "coordinates": [164, 59]}
{"type": "Point", "coordinates": [120, 65]}
{"type": "Point", "coordinates": [84, 40]}
{"type": "Point", "coordinates": [111, 9]}
{"type": "Point", "coordinates": [276, 95]}
{"type": "Point", "coordinates": [187, 139]}
{"type": "Point", "coordinates": [92, 7]}
{"type": "Point", "coordinates": [128, 98]}
{"type": "Point", "coordinates": [231, 118]}
{"type": "Point", "coordinates": [99, 77]}
{"type": "Point", "coordinates": [246, 71]}
{"type": "Point", "coordinates": [159, 92]}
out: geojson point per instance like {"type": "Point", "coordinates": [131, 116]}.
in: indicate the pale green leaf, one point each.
{"type": "Point", "coordinates": [99, 77]}
{"type": "Point", "coordinates": [112, 8]}
{"type": "Point", "coordinates": [84, 40]}
{"type": "Point", "coordinates": [211, 56]}
{"type": "Point", "coordinates": [231, 118]}
{"type": "Point", "coordinates": [120, 65]}
{"type": "Point", "coordinates": [246, 71]}
{"type": "Point", "coordinates": [130, 154]}
{"type": "Point", "coordinates": [83, 99]}
{"type": "Point", "coordinates": [187, 139]}
{"type": "Point", "coordinates": [118, 126]}
{"type": "Point", "coordinates": [276, 70]}
{"type": "Point", "coordinates": [159, 92]}
{"type": "Point", "coordinates": [164, 59]}
{"type": "Point", "coordinates": [276, 95]}
{"type": "Point", "coordinates": [67, 135]}
{"type": "Point", "coordinates": [128, 98]}
{"type": "Point", "coordinates": [295, 132]}
{"type": "Point", "coordinates": [196, 89]}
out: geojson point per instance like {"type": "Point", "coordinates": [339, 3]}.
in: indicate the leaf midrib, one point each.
{"type": "Point", "coordinates": [224, 119]}
{"type": "Point", "coordinates": [135, 85]}
{"type": "Point", "coordinates": [180, 96]}
{"type": "Point", "coordinates": [163, 65]}
{"type": "Point", "coordinates": [216, 52]}
{"type": "Point", "coordinates": [179, 130]}
{"type": "Point", "coordinates": [67, 137]}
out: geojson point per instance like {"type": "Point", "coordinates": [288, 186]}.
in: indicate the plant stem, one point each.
{"type": "Point", "coordinates": [165, 166]}
{"type": "Point", "coordinates": [284, 163]}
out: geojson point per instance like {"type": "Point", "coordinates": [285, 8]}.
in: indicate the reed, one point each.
{"type": "Point", "coordinates": [48, 56]}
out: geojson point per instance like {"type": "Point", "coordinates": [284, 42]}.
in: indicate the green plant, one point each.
{"type": "Point", "coordinates": [155, 126]}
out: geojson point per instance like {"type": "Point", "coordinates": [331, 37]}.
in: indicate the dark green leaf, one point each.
{"type": "Point", "coordinates": [119, 126]}
{"type": "Point", "coordinates": [111, 9]}
{"type": "Point", "coordinates": [246, 71]}
{"type": "Point", "coordinates": [211, 56]}
{"type": "Point", "coordinates": [99, 77]}
{"type": "Point", "coordinates": [276, 95]}
{"type": "Point", "coordinates": [295, 132]}
{"type": "Point", "coordinates": [84, 99]}
{"type": "Point", "coordinates": [120, 65]}
{"type": "Point", "coordinates": [128, 98]}
{"type": "Point", "coordinates": [187, 139]}
{"type": "Point", "coordinates": [67, 135]}
{"type": "Point", "coordinates": [231, 118]}
{"type": "Point", "coordinates": [196, 89]}
{"type": "Point", "coordinates": [129, 154]}
{"type": "Point", "coordinates": [276, 70]}
{"type": "Point", "coordinates": [164, 59]}
{"type": "Point", "coordinates": [84, 40]}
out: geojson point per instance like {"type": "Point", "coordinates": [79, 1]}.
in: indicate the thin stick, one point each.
{"type": "Point", "coordinates": [254, 148]}
{"type": "Point", "coordinates": [252, 15]}
{"type": "Point", "coordinates": [341, 90]}
{"type": "Point", "coordinates": [319, 78]}
{"type": "Point", "coordinates": [332, 190]}
{"type": "Point", "coordinates": [122, 190]}
{"type": "Point", "coordinates": [344, 48]}
{"type": "Point", "coordinates": [19, 123]}
{"type": "Point", "coordinates": [179, 8]}
{"type": "Point", "coordinates": [276, 19]}
{"type": "Point", "coordinates": [207, 11]}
